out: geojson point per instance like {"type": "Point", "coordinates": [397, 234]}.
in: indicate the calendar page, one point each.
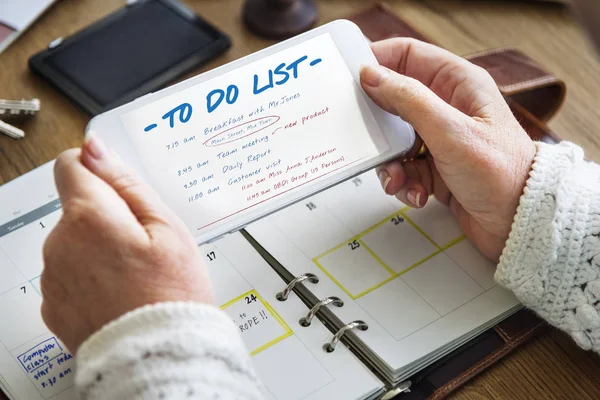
{"type": "Point", "coordinates": [34, 364]}
{"type": "Point", "coordinates": [409, 273]}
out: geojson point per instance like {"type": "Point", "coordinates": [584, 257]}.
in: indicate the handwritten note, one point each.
{"type": "Point", "coordinates": [48, 366]}
{"type": "Point", "coordinates": [218, 149]}
{"type": "Point", "coordinates": [258, 324]}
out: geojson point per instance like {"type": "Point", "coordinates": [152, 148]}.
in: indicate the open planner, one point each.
{"type": "Point", "coordinates": [343, 295]}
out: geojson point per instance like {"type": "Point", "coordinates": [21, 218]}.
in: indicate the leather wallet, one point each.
{"type": "Point", "coordinates": [534, 96]}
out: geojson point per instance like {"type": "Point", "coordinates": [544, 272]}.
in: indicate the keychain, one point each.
{"type": "Point", "coordinates": [15, 108]}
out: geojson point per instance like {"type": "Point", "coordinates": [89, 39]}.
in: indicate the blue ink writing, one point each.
{"type": "Point", "coordinates": [242, 177]}
{"type": "Point", "coordinates": [185, 113]}
{"type": "Point", "coordinates": [269, 85]}
{"type": "Point", "coordinates": [48, 364]}
{"type": "Point", "coordinates": [295, 64]}
{"type": "Point", "coordinates": [278, 76]}
{"type": "Point", "coordinates": [256, 157]}
{"type": "Point", "coordinates": [150, 127]}
{"type": "Point", "coordinates": [278, 71]}
{"type": "Point", "coordinates": [230, 97]}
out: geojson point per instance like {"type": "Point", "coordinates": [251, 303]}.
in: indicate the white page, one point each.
{"type": "Point", "coordinates": [283, 122]}
{"type": "Point", "coordinates": [18, 14]}
{"type": "Point", "coordinates": [32, 361]}
{"type": "Point", "coordinates": [298, 367]}
{"type": "Point", "coordinates": [288, 358]}
{"type": "Point", "coordinates": [408, 273]}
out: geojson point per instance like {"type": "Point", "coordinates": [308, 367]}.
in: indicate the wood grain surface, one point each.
{"type": "Point", "coordinates": [549, 367]}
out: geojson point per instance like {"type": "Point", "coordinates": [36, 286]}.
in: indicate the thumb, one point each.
{"type": "Point", "coordinates": [142, 200]}
{"type": "Point", "coordinates": [433, 118]}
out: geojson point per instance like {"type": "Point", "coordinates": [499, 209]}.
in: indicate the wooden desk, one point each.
{"type": "Point", "coordinates": [551, 366]}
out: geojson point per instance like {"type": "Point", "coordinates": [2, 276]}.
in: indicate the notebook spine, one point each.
{"type": "Point", "coordinates": [333, 300]}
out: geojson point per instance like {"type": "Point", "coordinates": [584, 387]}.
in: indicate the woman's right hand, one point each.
{"type": "Point", "coordinates": [480, 157]}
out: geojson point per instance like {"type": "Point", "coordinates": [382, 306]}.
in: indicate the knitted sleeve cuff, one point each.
{"type": "Point", "coordinates": [535, 221]}
{"type": "Point", "coordinates": [157, 317]}
{"type": "Point", "coordinates": [165, 346]}
{"type": "Point", "coordinates": [552, 257]}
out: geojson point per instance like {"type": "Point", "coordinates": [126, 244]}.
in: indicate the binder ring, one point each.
{"type": "Point", "coordinates": [336, 301]}
{"type": "Point", "coordinates": [312, 278]}
{"type": "Point", "coordinates": [360, 325]}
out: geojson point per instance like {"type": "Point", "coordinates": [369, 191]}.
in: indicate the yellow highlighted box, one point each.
{"type": "Point", "coordinates": [253, 296]}
{"type": "Point", "coordinates": [393, 275]}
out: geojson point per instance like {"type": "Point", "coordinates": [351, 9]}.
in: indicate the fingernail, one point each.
{"type": "Point", "coordinates": [374, 74]}
{"type": "Point", "coordinates": [384, 178]}
{"type": "Point", "coordinates": [414, 197]}
{"type": "Point", "coordinates": [95, 146]}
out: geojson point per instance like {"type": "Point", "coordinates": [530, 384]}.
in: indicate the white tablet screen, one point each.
{"type": "Point", "coordinates": [264, 131]}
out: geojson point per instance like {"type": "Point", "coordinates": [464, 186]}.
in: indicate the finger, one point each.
{"type": "Point", "coordinates": [77, 186]}
{"type": "Point", "coordinates": [438, 69]}
{"type": "Point", "coordinates": [410, 182]}
{"type": "Point", "coordinates": [142, 200]}
{"type": "Point", "coordinates": [68, 174]}
{"type": "Point", "coordinates": [416, 191]}
{"type": "Point", "coordinates": [414, 194]}
{"type": "Point", "coordinates": [437, 122]}
{"type": "Point", "coordinates": [391, 177]}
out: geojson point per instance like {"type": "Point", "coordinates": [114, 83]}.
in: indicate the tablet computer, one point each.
{"type": "Point", "coordinates": [251, 137]}
{"type": "Point", "coordinates": [133, 51]}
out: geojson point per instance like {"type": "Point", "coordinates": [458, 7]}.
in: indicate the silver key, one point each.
{"type": "Point", "coordinates": [18, 107]}
{"type": "Point", "coordinates": [11, 131]}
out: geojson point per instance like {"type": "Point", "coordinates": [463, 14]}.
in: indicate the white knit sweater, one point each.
{"type": "Point", "coordinates": [167, 351]}
{"type": "Point", "coordinates": [552, 258]}
{"type": "Point", "coordinates": [180, 350]}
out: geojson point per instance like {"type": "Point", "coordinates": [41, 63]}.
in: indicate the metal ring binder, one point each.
{"type": "Point", "coordinates": [336, 301]}
{"type": "Point", "coordinates": [361, 325]}
{"type": "Point", "coordinates": [312, 278]}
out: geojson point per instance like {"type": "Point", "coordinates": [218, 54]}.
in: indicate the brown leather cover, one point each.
{"type": "Point", "coordinates": [519, 78]}
{"type": "Point", "coordinates": [443, 377]}
{"type": "Point", "coordinates": [534, 96]}
{"type": "Point", "coordinates": [522, 79]}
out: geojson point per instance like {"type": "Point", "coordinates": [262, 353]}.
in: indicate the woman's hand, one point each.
{"type": "Point", "coordinates": [480, 156]}
{"type": "Point", "coordinates": [117, 247]}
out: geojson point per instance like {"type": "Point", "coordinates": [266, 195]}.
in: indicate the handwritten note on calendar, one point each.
{"type": "Point", "coordinates": [253, 134]}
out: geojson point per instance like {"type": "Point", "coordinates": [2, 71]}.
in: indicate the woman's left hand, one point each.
{"type": "Point", "coordinates": [117, 247]}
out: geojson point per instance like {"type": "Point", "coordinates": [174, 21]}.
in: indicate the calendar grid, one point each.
{"type": "Point", "coordinates": [35, 282]}
{"type": "Point", "coordinates": [376, 257]}
{"type": "Point", "coordinates": [392, 274]}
